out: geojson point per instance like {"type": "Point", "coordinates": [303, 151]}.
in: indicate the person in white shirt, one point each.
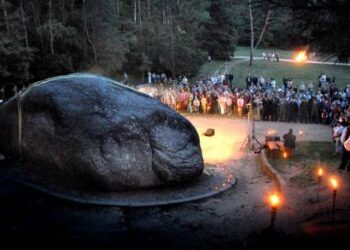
{"type": "Point", "coordinates": [346, 154]}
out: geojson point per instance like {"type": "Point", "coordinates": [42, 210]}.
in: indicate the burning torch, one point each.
{"type": "Point", "coordinates": [274, 201]}
{"type": "Point", "coordinates": [334, 185]}
{"type": "Point", "coordinates": [319, 179]}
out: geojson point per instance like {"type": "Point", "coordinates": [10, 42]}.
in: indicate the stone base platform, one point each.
{"type": "Point", "coordinates": [214, 181]}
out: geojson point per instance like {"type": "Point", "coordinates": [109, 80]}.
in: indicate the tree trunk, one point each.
{"type": "Point", "coordinates": [117, 6]}
{"type": "Point", "coordinates": [51, 30]}
{"type": "Point", "coordinates": [172, 49]}
{"type": "Point", "coordinates": [24, 24]}
{"type": "Point", "coordinates": [87, 32]}
{"type": "Point", "coordinates": [135, 12]}
{"type": "Point", "coordinates": [264, 29]}
{"type": "Point", "coordinates": [140, 18]}
{"type": "Point", "coordinates": [251, 32]}
{"type": "Point", "coordinates": [37, 23]}
{"type": "Point", "coordinates": [63, 11]}
{"type": "Point", "coordinates": [5, 15]}
{"type": "Point", "coordinates": [149, 10]}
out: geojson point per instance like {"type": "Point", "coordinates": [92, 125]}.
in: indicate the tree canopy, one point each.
{"type": "Point", "coordinates": [43, 38]}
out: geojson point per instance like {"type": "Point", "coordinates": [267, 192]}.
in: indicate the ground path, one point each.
{"type": "Point", "coordinates": [292, 61]}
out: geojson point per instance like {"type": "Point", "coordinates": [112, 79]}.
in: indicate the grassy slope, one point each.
{"type": "Point", "coordinates": [307, 72]}
{"type": "Point", "coordinates": [208, 69]}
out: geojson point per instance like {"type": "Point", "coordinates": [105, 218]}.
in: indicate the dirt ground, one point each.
{"type": "Point", "coordinates": [236, 219]}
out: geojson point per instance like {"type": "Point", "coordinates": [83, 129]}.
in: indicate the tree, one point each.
{"type": "Point", "coordinates": [251, 32]}
{"type": "Point", "coordinates": [15, 54]}
{"type": "Point", "coordinates": [169, 41]}
{"type": "Point", "coordinates": [47, 38]}
{"type": "Point", "coordinates": [320, 19]}
{"type": "Point", "coordinates": [219, 34]}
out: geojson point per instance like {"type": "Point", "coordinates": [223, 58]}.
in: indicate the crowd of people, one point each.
{"type": "Point", "coordinates": [324, 103]}
{"type": "Point", "coordinates": [271, 56]}
{"type": "Point", "coordinates": [306, 103]}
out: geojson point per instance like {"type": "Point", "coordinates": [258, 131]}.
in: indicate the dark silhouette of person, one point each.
{"type": "Point", "coordinates": [289, 141]}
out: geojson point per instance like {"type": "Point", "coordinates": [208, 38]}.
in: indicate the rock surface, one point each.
{"type": "Point", "coordinates": [101, 133]}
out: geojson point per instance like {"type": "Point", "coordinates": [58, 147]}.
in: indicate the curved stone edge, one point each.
{"type": "Point", "coordinates": [106, 202]}
{"type": "Point", "coordinates": [268, 170]}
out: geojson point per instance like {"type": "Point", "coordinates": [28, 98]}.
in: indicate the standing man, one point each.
{"type": "Point", "coordinates": [277, 57]}
{"type": "Point", "coordinates": [248, 80]}
{"type": "Point", "coordinates": [289, 142]}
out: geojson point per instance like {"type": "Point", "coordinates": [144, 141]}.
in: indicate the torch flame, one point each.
{"type": "Point", "coordinates": [285, 155]}
{"type": "Point", "coordinates": [320, 172]}
{"type": "Point", "coordinates": [275, 200]}
{"type": "Point", "coordinates": [334, 183]}
{"type": "Point", "coordinates": [301, 57]}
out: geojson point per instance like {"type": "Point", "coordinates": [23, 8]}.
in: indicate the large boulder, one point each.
{"type": "Point", "coordinates": [101, 133]}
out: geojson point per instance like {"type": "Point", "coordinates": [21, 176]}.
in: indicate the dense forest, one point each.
{"type": "Point", "coordinates": [43, 38]}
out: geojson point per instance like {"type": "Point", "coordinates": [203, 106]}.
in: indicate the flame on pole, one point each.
{"type": "Point", "coordinates": [319, 179]}
{"type": "Point", "coordinates": [334, 184]}
{"type": "Point", "coordinates": [274, 201]}
{"type": "Point", "coordinates": [320, 172]}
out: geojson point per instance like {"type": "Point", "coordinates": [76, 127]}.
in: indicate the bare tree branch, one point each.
{"type": "Point", "coordinates": [264, 29]}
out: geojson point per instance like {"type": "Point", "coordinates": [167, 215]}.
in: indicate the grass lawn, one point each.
{"type": "Point", "coordinates": [245, 51]}
{"type": "Point", "coordinates": [284, 54]}
{"type": "Point", "coordinates": [302, 166]}
{"type": "Point", "coordinates": [278, 70]}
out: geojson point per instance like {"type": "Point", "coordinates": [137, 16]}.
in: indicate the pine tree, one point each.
{"type": "Point", "coordinates": [219, 35]}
